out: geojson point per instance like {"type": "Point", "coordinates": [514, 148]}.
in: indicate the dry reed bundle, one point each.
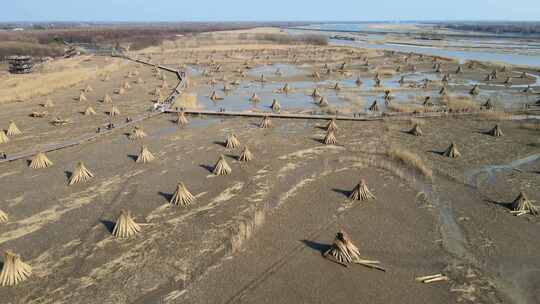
{"type": "Point", "coordinates": [475, 90]}
{"type": "Point", "coordinates": [12, 129]}
{"type": "Point", "coordinates": [215, 97]}
{"type": "Point", "coordinates": [452, 151]}
{"type": "Point", "coordinates": [145, 156]}
{"type": "Point", "coordinates": [182, 196]}
{"type": "Point", "coordinates": [330, 138]}
{"type": "Point", "coordinates": [496, 131]}
{"type": "Point", "coordinates": [416, 131]}
{"type": "Point", "coordinates": [232, 142]}
{"type": "Point", "coordinates": [443, 91]}
{"type": "Point", "coordinates": [345, 252]}
{"type": "Point", "coordinates": [89, 111]}
{"type": "Point", "coordinates": [488, 105]}
{"type": "Point", "coordinates": [254, 98]}
{"type": "Point", "coordinates": [286, 88]}
{"type": "Point", "coordinates": [80, 175]}
{"type": "Point", "coordinates": [114, 111]}
{"type": "Point", "coordinates": [3, 217]}
{"type": "Point", "coordinates": [137, 133]}
{"type": "Point", "coordinates": [182, 120]}
{"type": "Point", "coordinates": [266, 123]}
{"type": "Point", "coordinates": [323, 102]}
{"type": "Point", "coordinates": [40, 161]}
{"type": "Point", "coordinates": [14, 270]}
{"type": "Point", "coordinates": [221, 167]}
{"type": "Point", "coordinates": [107, 99]}
{"type": "Point", "coordinates": [374, 107]}
{"type": "Point", "coordinates": [82, 97]}
{"type": "Point", "coordinates": [522, 205]}
{"type": "Point", "coordinates": [125, 226]}
{"type": "Point", "coordinates": [361, 192]}
{"type": "Point", "coordinates": [427, 102]}
{"type": "Point", "coordinates": [3, 137]}
{"type": "Point", "coordinates": [331, 125]}
{"type": "Point", "coordinates": [276, 107]}
{"type": "Point", "coordinates": [246, 155]}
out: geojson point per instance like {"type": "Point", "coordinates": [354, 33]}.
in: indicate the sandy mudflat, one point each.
{"type": "Point", "coordinates": [256, 236]}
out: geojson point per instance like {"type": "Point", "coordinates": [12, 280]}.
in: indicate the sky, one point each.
{"type": "Point", "coordinates": [271, 10]}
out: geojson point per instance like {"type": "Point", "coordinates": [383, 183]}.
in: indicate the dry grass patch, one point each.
{"type": "Point", "coordinates": [411, 160]}
{"type": "Point", "coordinates": [405, 108]}
{"type": "Point", "coordinates": [459, 102]}
{"type": "Point", "coordinates": [59, 74]}
{"type": "Point", "coordinates": [494, 116]}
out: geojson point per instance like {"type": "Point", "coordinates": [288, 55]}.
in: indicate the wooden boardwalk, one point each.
{"type": "Point", "coordinates": [366, 117]}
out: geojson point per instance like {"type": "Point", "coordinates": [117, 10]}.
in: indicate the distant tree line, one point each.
{"type": "Point", "coordinates": [496, 27]}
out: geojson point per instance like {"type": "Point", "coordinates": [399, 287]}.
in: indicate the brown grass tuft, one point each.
{"type": "Point", "coordinates": [411, 160]}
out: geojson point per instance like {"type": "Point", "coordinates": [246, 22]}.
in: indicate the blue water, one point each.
{"type": "Point", "coordinates": [371, 41]}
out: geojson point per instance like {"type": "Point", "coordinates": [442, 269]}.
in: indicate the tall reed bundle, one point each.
{"type": "Point", "coordinates": [125, 226]}
{"type": "Point", "coordinates": [12, 129]}
{"type": "Point", "coordinates": [14, 270]}
{"type": "Point", "coordinates": [361, 192]}
{"type": "Point", "coordinates": [80, 175]}
{"type": "Point", "coordinates": [452, 151]}
{"type": "Point", "coordinates": [221, 167]}
{"type": "Point", "coordinates": [330, 138]}
{"type": "Point", "coordinates": [496, 131]}
{"type": "Point", "coordinates": [276, 107]}
{"type": "Point", "coordinates": [416, 131]}
{"type": "Point", "coordinates": [522, 205]}
{"type": "Point", "coordinates": [137, 133]}
{"type": "Point", "coordinates": [246, 155]}
{"type": "Point", "coordinates": [182, 196]}
{"type": "Point", "coordinates": [89, 111]}
{"type": "Point", "coordinates": [3, 137]}
{"type": "Point", "coordinates": [182, 120]}
{"type": "Point", "coordinates": [82, 97]}
{"type": "Point", "coordinates": [145, 156]}
{"type": "Point", "coordinates": [40, 161]}
{"type": "Point", "coordinates": [232, 142]}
